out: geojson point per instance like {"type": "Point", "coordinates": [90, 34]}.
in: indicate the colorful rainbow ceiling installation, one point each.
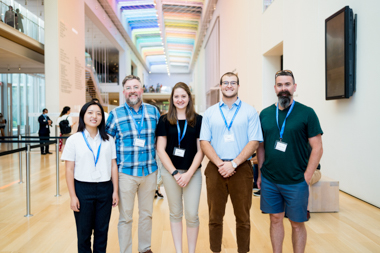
{"type": "Point", "coordinates": [163, 31]}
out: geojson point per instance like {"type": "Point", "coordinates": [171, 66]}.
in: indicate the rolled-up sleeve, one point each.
{"type": "Point", "coordinates": [111, 124]}
{"type": "Point", "coordinates": [254, 130]}
{"type": "Point", "coordinates": [205, 128]}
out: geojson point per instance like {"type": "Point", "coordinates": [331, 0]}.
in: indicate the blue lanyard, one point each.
{"type": "Point", "coordinates": [225, 121]}
{"type": "Point", "coordinates": [89, 147]}
{"type": "Point", "coordinates": [179, 133]}
{"type": "Point", "coordinates": [283, 124]}
{"type": "Point", "coordinates": [138, 127]}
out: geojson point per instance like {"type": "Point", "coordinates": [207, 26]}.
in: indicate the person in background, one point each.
{"type": "Point", "coordinates": [10, 17]}
{"type": "Point", "coordinates": [3, 123]}
{"type": "Point", "coordinates": [105, 113]}
{"type": "Point", "coordinates": [20, 17]}
{"type": "Point", "coordinates": [179, 150]}
{"type": "Point", "coordinates": [92, 178]}
{"type": "Point", "coordinates": [67, 124]}
{"type": "Point", "coordinates": [287, 159]}
{"type": "Point", "coordinates": [44, 132]}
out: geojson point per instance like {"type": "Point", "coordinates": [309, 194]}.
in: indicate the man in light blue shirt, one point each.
{"type": "Point", "coordinates": [230, 134]}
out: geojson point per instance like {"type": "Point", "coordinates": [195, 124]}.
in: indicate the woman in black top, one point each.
{"type": "Point", "coordinates": [179, 150]}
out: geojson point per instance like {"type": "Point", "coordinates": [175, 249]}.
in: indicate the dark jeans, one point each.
{"type": "Point", "coordinates": [239, 187]}
{"type": "Point", "coordinates": [44, 149]}
{"type": "Point", "coordinates": [95, 200]}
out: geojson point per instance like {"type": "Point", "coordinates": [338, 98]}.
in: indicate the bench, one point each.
{"type": "Point", "coordinates": [324, 196]}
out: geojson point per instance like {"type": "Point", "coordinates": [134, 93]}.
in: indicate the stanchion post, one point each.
{"type": "Point", "coordinates": [57, 172]}
{"type": "Point", "coordinates": [28, 214]}
{"type": "Point", "coordinates": [19, 155]}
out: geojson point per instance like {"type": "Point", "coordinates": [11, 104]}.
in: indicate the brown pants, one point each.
{"type": "Point", "coordinates": [239, 187]}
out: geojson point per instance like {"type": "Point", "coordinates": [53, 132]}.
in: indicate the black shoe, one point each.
{"type": "Point", "coordinates": [50, 153]}
{"type": "Point", "coordinates": [43, 153]}
{"type": "Point", "coordinates": [158, 194]}
{"type": "Point", "coordinates": [257, 194]}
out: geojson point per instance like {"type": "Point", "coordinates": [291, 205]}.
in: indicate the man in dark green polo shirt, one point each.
{"type": "Point", "coordinates": [288, 157]}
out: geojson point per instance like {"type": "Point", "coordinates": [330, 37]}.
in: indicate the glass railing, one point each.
{"type": "Point", "coordinates": [21, 19]}
{"type": "Point", "coordinates": [266, 4]}
{"type": "Point", "coordinates": [102, 78]}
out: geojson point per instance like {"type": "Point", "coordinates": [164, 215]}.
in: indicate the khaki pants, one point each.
{"type": "Point", "coordinates": [239, 187]}
{"type": "Point", "coordinates": [128, 187]}
{"type": "Point", "coordinates": [189, 195]}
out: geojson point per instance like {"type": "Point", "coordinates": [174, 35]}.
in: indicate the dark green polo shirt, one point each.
{"type": "Point", "coordinates": [288, 167]}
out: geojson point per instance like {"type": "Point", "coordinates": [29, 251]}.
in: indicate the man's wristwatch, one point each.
{"type": "Point", "coordinates": [175, 173]}
{"type": "Point", "coordinates": [234, 164]}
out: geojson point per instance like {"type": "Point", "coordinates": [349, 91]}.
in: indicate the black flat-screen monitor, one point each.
{"type": "Point", "coordinates": [340, 47]}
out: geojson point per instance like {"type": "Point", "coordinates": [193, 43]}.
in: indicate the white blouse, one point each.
{"type": "Point", "coordinates": [64, 117]}
{"type": "Point", "coordinates": [77, 150]}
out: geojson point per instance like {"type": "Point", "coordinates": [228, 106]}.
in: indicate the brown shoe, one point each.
{"type": "Point", "coordinates": [148, 251]}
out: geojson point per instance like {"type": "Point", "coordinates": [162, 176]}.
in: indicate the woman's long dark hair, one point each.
{"type": "Point", "coordinates": [190, 111]}
{"type": "Point", "coordinates": [101, 127]}
{"type": "Point", "coordinates": [64, 111]}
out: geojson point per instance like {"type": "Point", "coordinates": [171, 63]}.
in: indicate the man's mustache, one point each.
{"type": "Point", "coordinates": [281, 93]}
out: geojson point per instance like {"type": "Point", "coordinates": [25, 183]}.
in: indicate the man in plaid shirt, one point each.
{"type": "Point", "coordinates": [133, 126]}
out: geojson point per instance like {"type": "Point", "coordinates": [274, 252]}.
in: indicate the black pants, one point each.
{"type": "Point", "coordinates": [95, 200]}
{"type": "Point", "coordinates": [44, 149]}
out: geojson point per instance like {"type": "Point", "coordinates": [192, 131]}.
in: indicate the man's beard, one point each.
{"type": "Point", "coordinates": [284, 101]}
{"type": "Point", "coordinates": [134, 102]}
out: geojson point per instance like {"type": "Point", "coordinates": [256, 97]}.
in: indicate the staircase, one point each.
{"type": "Point", "coordinates": [90, 87]}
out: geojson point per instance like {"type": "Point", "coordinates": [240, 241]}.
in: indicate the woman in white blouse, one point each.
{"type": "Point", "coordinates": [65, 115]}
{"type": "Point", "coordinates": [92, 178]}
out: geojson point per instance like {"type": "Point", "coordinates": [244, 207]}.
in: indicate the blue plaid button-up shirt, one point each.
{"type": "Point", "coordinates": [133, 160]}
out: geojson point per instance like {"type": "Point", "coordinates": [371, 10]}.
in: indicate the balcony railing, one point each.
{"type": "Point", "coordinates": [21, 19]}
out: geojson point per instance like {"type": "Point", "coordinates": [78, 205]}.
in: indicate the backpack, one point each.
{"type": "Point", "coordinates": [65, 127]}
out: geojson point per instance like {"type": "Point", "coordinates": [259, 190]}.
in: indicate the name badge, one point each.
{"type": "Point", "coordinates": [139, 142]}
{"type": "Point", "coordinates": [95, 175]}
{"type": "Point", "coordinates": [229, 137]}
{"type": "Point", "coordinates": [179, 152]}
{"type": "Point", "coordinates": [280, 146]}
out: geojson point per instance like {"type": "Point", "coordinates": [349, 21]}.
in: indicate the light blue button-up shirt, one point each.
{"type": "Point", "coordinates": [246, 127]}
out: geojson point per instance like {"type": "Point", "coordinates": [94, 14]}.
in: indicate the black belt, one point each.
{"type": "Point", "coordinates": [227, 160]}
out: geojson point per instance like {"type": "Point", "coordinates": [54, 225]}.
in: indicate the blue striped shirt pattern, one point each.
{"type": "Point", "coordinates": [133, 160]}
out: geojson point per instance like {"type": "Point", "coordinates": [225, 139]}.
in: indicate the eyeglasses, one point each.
{"type": "Point", "coordinates": [226, 83]}
{"type": "Point", "coordinates": [283, 73]}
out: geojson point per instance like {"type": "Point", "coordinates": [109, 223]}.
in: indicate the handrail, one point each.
{"type": "Point", "coordinates": [27, 149]}
{"type": "Point", "coordinates": [35, 137]}
{"type": "Point", "coordinates": [26, 22]}
{"type": "Point", "coordinates": [96, 82]}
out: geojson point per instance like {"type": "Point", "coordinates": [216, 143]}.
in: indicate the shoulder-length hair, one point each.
{"type": "Point", "coordinates": [190, 111]}
{"type": "Point", "coordinates": [101, 127]}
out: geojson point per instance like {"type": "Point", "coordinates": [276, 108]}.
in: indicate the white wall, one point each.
{"type": "Point", "coordinates": [199, 83]}
{"type": "Point", "coordinates": [350, 126]}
